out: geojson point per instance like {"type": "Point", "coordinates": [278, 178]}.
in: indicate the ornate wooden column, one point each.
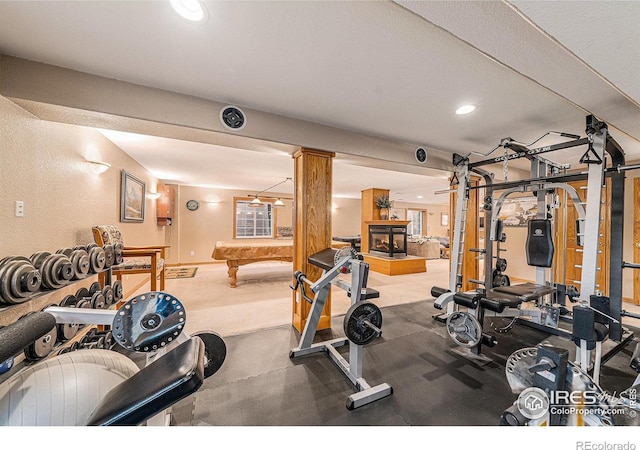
{"type": "Point", "coordinates": [311, 224]}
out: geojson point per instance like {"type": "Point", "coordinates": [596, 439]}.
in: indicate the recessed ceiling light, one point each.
{"type": "Point", "coordinates": [465, 109]}
{"type": "Point", "coordinates": [189, 9]}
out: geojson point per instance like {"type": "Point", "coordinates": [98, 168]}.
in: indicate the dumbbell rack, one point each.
{"type": "Point", "coordinates": [49, 296]}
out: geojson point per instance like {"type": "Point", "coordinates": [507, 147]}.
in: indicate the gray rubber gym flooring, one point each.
{"type": "Point", "coordinates": [259, 385]}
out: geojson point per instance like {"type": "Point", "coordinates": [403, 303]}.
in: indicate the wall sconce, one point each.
{"type": "Point", "coordinates": [212, 204]}
{"type": "Point", "coordinates": [98, 167]}
{"type": "Point", "coordinates": [154, 195]}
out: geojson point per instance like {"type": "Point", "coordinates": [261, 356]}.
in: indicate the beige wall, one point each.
{"type": "Point", "coordinates": [43, 164]}
{"type": "Point", "coordinates": [432, 224]}
{"type": "Point", "coordinates": [197, 231]}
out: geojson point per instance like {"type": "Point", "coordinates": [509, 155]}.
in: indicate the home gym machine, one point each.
{"type": "Point", "coordinates": [362, 322]}
{"type": "Point", "coordinates": [136, 382]}
{"type": "Point", "coordinates": [540, 304]}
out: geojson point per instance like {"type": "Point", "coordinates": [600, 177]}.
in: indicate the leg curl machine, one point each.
{"type": "Point", "coordinates": [496, 297]}
{"type": "Point", "coordinates": [362, 322]}
{"type": "Point", "coordinates": [107, 387]}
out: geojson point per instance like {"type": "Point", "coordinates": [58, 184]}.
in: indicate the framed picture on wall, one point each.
{"type": "Point", "coordinates": [444, 219]}
{"type": "Point", "coordinates": [132, 198]}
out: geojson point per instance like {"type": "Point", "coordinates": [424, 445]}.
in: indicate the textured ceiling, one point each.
{"type": "Point", "coordinates": [396, 70]}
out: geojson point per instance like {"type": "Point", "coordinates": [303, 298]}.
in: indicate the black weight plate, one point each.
{"type": "Point", "coordinates": [501, 264]}
{"type": "Point", "coordinates": [94, 287]}
{"type": "Point", "coordinates": [80, 247]}
{"type": "Point", "coordinates": [67, 331]}
{"type": "Point", "coordinates": [83, 293]}
{"type": "Point", "coordinates": [215, 351]}
{"type": "Point", "coordinates": [69, 301]}
{"type": "Point", "coordinates": [108, 295]}
{"type": "Point", "coordinates": [118, 291]}
{"type": "Point", "coordinates": [354, 327]}
{"type": "Point", "coordinates": [25, 279]}
{"type": "Point", "coordinates": [83, 303]}
{"type": "Point", "coordinates": [149, 321]}
{"type": "Point", "coordinates": [42, 346]}
{"type": "Point", "coordinates": [91, 245]}
{"type": "Point", "coordinates": [97, 301]}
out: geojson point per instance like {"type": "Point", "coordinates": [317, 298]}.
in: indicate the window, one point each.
{"type": "Point", "coordinates": [415, 222]}
{"type": "Point", "coordinates": [253, 221]}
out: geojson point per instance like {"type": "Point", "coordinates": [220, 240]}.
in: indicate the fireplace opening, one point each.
{"type": "Point", "coordinates": [390, 240]}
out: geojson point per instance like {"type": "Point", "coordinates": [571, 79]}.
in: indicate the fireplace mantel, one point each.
{"type": "Point", "coordinates": [387, 222]}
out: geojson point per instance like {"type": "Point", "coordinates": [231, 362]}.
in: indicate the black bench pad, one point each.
{"type": "Point", "coordinates": [525, 292]}
{"type": "Point", "coordinates": [323, 259]}
{"type": "Point", "coordinates": [170, 378]}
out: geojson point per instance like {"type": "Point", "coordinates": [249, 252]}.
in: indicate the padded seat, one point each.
{"type": "Point", "coordinates": [167, 380]}
{"type": "Point", "coordinates": [525, 292]}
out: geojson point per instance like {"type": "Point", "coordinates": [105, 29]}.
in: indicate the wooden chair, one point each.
{"type": "Point", "coordinates": [137, 260]}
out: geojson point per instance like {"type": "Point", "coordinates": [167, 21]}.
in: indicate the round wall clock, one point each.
{"type": "Point", "coordinates": [192, 205]}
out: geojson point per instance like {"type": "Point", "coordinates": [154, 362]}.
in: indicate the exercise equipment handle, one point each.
{"type": "Point", "coordinates": [26, 330]}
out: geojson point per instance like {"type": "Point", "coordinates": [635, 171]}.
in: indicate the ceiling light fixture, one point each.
{"type": "Point", "coordinates": [191, 10]}
{"type": "Point", "coordinates": [465, 109]}
{"type": "Point", "coordinates": [278, 203]}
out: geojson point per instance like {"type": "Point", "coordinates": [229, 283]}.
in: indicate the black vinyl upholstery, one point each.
{"type": "Point", "coordinates": [539, 245]}
{"type": "Point", "coordinates": [170, 378]}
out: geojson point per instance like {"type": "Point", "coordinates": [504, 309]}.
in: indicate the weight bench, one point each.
{"type": "Point", "coordinates": [167, 380]}
{"type": "Point", "coordinates": [539, 250]}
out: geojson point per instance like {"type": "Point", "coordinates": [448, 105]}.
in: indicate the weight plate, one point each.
{"type": "Point", "coordinates": [65, 251]}
{"type": "Point", "coordinates": [108, 295]}
{"type": "Point", "coordinates": [97, 301]}
{"type": "Point", "coordinates": [42, 346]}
{"type": "Point", "coordinates": [83, 303]}
{"type": "Point", "coordinates": [94, 287]}
{"type": "Point", "coordinates": [5, 283]}
{"type": "Point", "coordinates": [118, 250]}
{"type": "Point", "coordinates": [38, 258]}
{"type": "Point", "coordinates": [83, 293]}
{"type": "Point", "coordinates": [97, 259]}
{"type": "Point", "coordinates": [69, 301]}
{"type": "Point", "coordinates": [355, 323]}
{"type": "Point", "coordinates": [215, 352]}
{"type": "Point", "coordinates": [501, 264]}
{"type": "Point", "coordinates": [109, 255]}
{"type": "Point", "coordinates": [25, 279]}
{"type": "Point", "coordinates": [148, 321]}
{"type": "Point", "coordinates": [91, 245]}
{"type": "Point", "coordinates": [80, 247]}
{"type": "Point", "coordinates": [464, 329]}
{"type": "Point", "coordinates": [81, 265]}
{"type": "Point", "coordinates": [118, 291]}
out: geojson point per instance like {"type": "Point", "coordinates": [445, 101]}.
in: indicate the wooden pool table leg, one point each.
{"type": "Point", "coordinates": [232, 271]}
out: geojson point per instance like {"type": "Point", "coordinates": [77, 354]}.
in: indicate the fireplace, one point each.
{"type": "Point", "coordinates": [388, 239]}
